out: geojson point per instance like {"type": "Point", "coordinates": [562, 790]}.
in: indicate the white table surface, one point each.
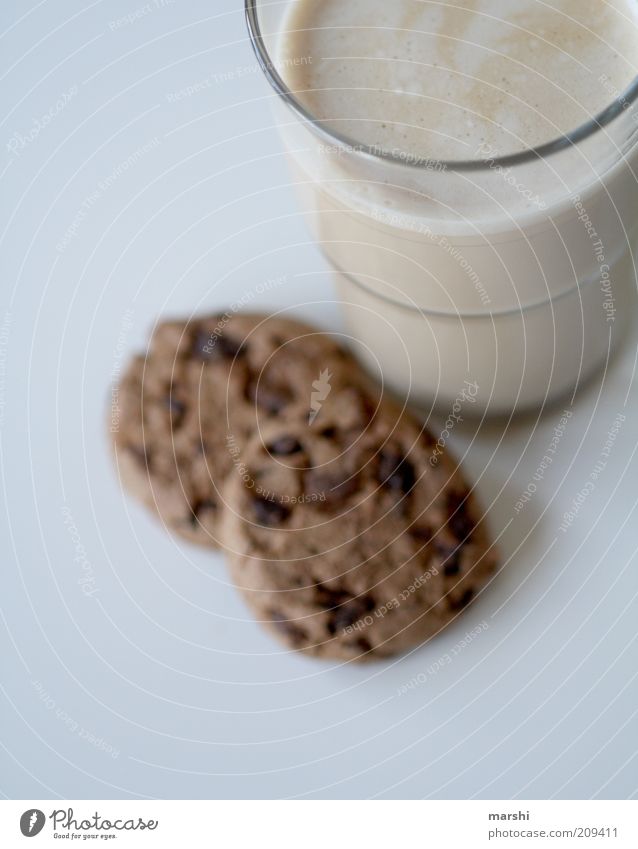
{"type": "Point", "coordinates": [129, 203]}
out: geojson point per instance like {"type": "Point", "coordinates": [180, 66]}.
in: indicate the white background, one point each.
{"type": "Point", "coordinates": [158, 683]}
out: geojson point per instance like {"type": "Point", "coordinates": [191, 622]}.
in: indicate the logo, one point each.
{"type": "Point", "coordinates": [32, 822]}
{"type": "Point", "coordinates": [322, 390]}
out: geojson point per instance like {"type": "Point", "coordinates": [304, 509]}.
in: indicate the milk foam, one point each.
{"type": "Point", "coordinates": [441, 79]}
{"type": "Point", "coordinates": [498, 274]}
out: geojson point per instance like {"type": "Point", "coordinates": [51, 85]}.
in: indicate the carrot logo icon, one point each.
{"type": "Point", "coordinates": [32, 822]}
{"type": "Point", "coordinates": [321, 391]}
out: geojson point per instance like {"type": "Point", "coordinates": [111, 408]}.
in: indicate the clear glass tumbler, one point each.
{"type": "Point", "coordinates": [512, 273]}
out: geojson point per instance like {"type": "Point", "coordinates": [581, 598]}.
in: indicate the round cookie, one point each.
{"type": "Point", "coordinates": [187, 407]}
{"type": "Point", "coordinates": [354, 540]}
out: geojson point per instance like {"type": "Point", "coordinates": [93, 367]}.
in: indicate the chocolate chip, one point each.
{"type": "Point", "coordinates": [289, 630]}
{"type": "Point", "coordinates": [395, 472]}
{"type": "Point", "coordinates": [284, 446]}
{"type": "Point", "coordinates": [269, 513]}
{"type": "Point", "coordinates": [202, 505]}
{"type": "Point", "coordinates": [210, 346]}
{"type": "Point", "coordinates": [231, 348]}
{"type": "Point", "coordinates": [460, 522]}
{"type": "Point", "coordinates": [328, 432]}
{"type": "Point", "coordinates": [452, 567]}
{"type": "Point", "coordinates": [450, 556]}
{"type": "Point", "coordinates": [364, 645]}
{"type": "Point", "coordinates": [344, 617]}
{"type": "Point", "coordinates": [268, 397]}
{"type": "Point", "coordinates": [329, 598]}
{"type": "Point", "coordinates": [421, 533]}
{"type": "Point", "coordinates": [344, 609]}
{"type": "Point", "coordinates": [142, 456]}
{"type": "Point", "coordinates": [463, 601]}
{"type": "Point", "coordinates": [176, 408]}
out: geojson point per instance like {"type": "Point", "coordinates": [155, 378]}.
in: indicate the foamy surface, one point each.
{"type": "Point", "coordinates": [446, 79]}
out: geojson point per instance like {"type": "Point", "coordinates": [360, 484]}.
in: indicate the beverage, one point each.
{"type": "Point", "coordinates": [411, 151]}
{"type": "Point", "coordinates": [439, 81]}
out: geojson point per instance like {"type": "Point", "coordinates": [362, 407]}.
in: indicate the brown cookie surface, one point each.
{"type": "Point", "coordinates": [354, 540]}
{"type": "Point", "coordinates": [189, 405]}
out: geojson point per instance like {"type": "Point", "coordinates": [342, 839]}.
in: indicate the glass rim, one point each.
{"type": "Point", "coordinates": [571, 139]}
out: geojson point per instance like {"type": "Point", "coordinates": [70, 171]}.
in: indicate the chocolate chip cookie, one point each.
{"type": "Point", "coordinates": [187, 408]}
{"type": "Point", "coordinates": [355, 539]}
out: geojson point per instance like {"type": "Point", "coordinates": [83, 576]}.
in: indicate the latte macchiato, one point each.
{"type": "Point", "coordinates": [443, 79]}
{"type": "Point", "coordinates": [511, 274]}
